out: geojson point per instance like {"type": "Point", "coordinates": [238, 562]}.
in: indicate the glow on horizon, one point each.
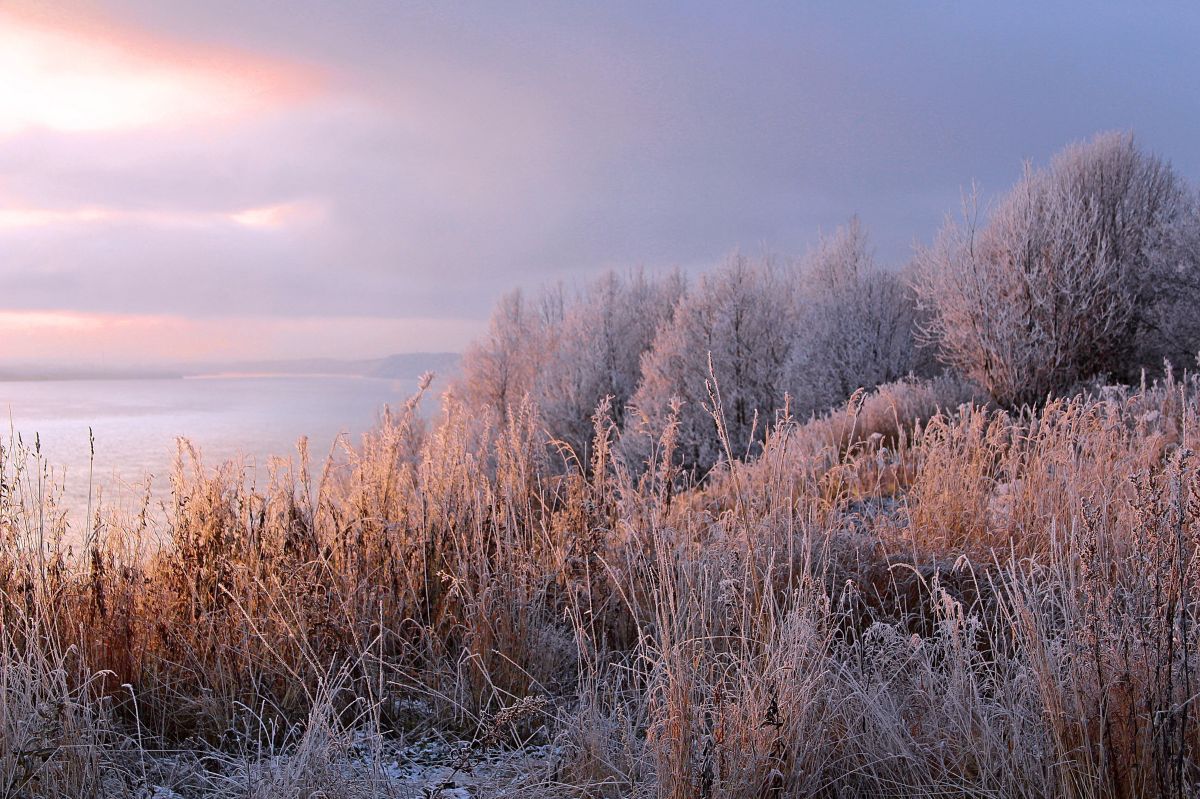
{"type": "Point", "coordinates": [47, 336]}
{"type": "Point", "coordinates": [15, 322]}
{"type": "Point", "coordinates": [73, 80]}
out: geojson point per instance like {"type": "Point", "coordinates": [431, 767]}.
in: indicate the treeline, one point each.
{"type": "Point", "coordinates": [1088, 268]}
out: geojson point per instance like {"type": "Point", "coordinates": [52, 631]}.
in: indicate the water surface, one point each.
{"type": "Point", "coordinates": [136, 423]}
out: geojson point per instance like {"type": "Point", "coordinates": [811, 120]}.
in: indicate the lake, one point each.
{"type": "Point", "coordinates": [136, 423]}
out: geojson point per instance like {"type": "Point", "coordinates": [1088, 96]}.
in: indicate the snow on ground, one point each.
{"type": "Point", "coordinates": [432, 769]}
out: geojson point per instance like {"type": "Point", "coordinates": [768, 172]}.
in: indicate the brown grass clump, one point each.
{"type": "Point", "coordinates": [917, 596]}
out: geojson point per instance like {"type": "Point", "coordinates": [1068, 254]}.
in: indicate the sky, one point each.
{"type": "Point", "coordinates": [226, 179]}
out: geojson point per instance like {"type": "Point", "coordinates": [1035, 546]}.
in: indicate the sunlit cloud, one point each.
{"type": "Point", "coordinates": [277, 216]}
{"type": "Point", "coordinates": [74, 80]}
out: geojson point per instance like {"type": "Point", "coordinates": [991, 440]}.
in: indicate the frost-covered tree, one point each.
{"type": "Point", "coordinates": [743, 315]}
{"type": "Point", "coordinates": [855, 326]}
{"type": "Point", "coordinates": [606, 328]}
{"type": "Point", "coordinates": [1171, 319]}
{"type": "Point", "coordinates": [502, 367]}
{"type": "Point", "coordinates": [1069, 277]}
{"type": "Point", "coordinates": [568, 351]}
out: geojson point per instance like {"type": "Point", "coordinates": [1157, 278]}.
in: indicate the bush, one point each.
{"type": "Point", "coordinates": [1070, 276]}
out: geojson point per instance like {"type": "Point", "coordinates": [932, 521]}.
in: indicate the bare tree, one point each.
{"type": "Point", "coordinates": [1067, 279]}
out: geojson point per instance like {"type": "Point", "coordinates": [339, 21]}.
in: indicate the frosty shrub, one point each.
{"type": "Point", "coordinates": [1070, 276]}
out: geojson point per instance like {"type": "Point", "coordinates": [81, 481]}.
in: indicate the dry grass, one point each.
{"type": "Point", "coordinates": [919, 596]}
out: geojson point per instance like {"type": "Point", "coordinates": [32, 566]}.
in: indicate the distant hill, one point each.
{"type": "Point", "coordinates": [415, 364]}
{"type": "Point", "coordinates": [405, 366]}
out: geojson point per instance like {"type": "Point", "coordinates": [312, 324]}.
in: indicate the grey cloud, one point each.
{"type": "Point", "coordinates": [461, 150]}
